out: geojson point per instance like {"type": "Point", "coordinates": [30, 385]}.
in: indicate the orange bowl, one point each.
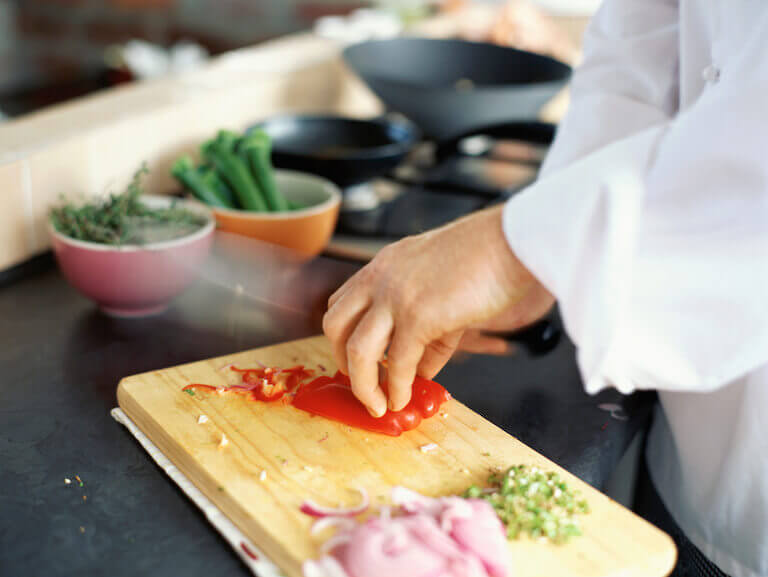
{"type": "Point", "coordinates": [306, 230]}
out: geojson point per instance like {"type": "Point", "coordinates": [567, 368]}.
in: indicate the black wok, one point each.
{"type": "Point", "coordinates": [345, 150]}
{"type": "Point", "coordinates": [452, 87]}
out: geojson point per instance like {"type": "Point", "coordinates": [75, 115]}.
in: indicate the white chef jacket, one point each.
{"type": "Point", "coordinates": [650, 225]}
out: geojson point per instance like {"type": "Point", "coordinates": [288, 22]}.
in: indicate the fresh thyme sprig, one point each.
{"type": "Point", "coordinates": [120, 218]}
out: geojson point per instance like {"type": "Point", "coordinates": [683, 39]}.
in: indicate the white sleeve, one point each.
{"type": "Point", "coordinates": [627, 82]}
{"type": "Point", "coordinates": [656, 246]}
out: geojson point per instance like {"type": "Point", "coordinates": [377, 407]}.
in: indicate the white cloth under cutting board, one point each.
{"type": "Point", "coordinates": [262, 566]}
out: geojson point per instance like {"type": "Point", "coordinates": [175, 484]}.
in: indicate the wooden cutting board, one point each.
{"type": "Point", "coordinates": [310, 457]}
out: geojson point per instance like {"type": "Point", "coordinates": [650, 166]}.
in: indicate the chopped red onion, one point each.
{"type": "Point", "coordinates": [340, 523]}
{"type": "Point", "coordinates": [312, 509]}
{"type": "Point", "coordinates": [341, 538]}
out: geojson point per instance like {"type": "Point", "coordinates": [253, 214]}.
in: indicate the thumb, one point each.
{"type": "Point", "coordinates": [474, 341]}
{"type": "Point", "coordinates": [437, 354]}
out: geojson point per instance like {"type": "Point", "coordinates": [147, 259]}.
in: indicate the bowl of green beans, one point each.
{"type": "Point", "coordinates": [248, 196]}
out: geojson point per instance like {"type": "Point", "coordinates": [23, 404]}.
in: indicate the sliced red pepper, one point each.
{"type": "Point", "coordinates": [263, 384]}
{"type": "Point", "coordinates": [332, 398]}
{"type": "Point", "coordinates": [194, 386]}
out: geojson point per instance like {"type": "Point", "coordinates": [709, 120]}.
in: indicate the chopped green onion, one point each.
{"type": "Point", "coordinates": [533, 502]}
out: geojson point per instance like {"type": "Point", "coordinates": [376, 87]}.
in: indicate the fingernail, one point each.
{"type": "Point", "coordinates": [378, 410]}
{"type": "Point", "coordinates": [391, 406]}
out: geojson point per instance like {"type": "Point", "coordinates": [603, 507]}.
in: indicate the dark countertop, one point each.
{"type": "Point", "coordinates": [61, 360]}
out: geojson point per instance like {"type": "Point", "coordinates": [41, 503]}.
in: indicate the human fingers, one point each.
{"type": "Point", "coordinates": [357, 280]}
{"type": "Point", "coordinates": [403, 357]}
{"type": "Point", "coordinates": [365, 347]}
{"type": "Point", "coordinates": [437, 354]}
{"type": "Point", "coordinates": [340, 321]}
{"type": "Point", "coordinates": [473, 341]}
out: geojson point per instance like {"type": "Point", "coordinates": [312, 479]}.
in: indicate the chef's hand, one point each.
{"type": "Point", "coordinates": [483, 338]}
{"type": "Point", "coordinates": [414, 300]}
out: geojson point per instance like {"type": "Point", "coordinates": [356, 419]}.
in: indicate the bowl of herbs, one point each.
{"type": "Point", "coordinates": [130, 252]}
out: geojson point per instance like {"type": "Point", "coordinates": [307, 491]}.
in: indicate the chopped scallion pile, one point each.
{"type": "Point", "coordinates": [533, 502]}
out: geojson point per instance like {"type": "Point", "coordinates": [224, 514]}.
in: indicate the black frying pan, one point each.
{"type": "Point", "coordinates": [345, 150]}
{"type": "Point", "coordinates": [452, 87]}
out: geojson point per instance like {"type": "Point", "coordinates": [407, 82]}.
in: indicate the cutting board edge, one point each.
{"type": "Point", "coordinates": [665, 563]}
{"type": "Point", "coordinates": [203, 481]}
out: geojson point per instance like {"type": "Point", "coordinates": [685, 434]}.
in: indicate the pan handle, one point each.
{"type": "Point", "coordinates": [538, 338]}
{"type": "Point", "coordinates": [541, 133]}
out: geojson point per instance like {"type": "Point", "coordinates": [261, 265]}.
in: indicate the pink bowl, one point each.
{"type": "Point", "coordinates": [133, 280]}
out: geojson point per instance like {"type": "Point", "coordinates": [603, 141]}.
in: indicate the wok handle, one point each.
{"type": "Point", "coordinates": [535, 133]}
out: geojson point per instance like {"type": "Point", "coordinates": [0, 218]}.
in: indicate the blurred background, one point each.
{"type": "Point", "coordinates": [54, 50]}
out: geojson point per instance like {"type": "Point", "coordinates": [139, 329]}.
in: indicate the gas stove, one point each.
{"type": "Point", "coordinates": [437, 184]}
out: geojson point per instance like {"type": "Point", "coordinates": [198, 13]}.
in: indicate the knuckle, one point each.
{"type": "Point", "coordinates": [387, 252]}
{"type": "Point", "coordinates": [402, 243]}
{"type": "Point", "coordinates": [401, 296]}
{"type": "Point", "coordinates": [411, 308]}
{"type": "Point", "coordinates": [331, 327]}
{"type": "Point", "coordinates": [327, 324]}
{"type": "Point", "coordinates": [441, 348]}
{"type": "Point", "coordinates": [385, 259]}
{"type": "Point", "coordinates": [360, 391]}
{"type": "Point", "coordinates": [399, 369]}
{"type": "Point", "coordinates": [355, 350]}
{"type": "Point", "coordinates": [374, 267]}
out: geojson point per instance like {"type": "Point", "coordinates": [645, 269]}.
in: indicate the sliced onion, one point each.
{"type": "Point", "coordinates": [410, 501]}
{"type": "Point", "coordinates": [335, 541]}
{"type": "Point", "coordinates": [312, 509]}
{"type": "Point", "coordinates": [340, 523]}
{"type": "Point", "coordinates": [397, 539]}
{"type": "Point", "coordinates": [385, 513]}
{"type": "Point", "coordinates": [458, 509]}
{"type": "Point", "coordinates": [242, 387]}
{"type": "Point", "coordinates": [430, 533]}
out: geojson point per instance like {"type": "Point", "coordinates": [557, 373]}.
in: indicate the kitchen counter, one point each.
{"type": "Point", "coordinates": [61, 361]}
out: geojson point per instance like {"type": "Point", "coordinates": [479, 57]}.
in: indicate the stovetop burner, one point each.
{"type": "Point", "coordinates": [434, 186]}
{"type": "Point", "coordinates": [384, 208]}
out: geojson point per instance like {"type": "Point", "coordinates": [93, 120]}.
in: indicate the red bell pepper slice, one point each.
{"type": "Point", "coordinates": [332, 398]}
